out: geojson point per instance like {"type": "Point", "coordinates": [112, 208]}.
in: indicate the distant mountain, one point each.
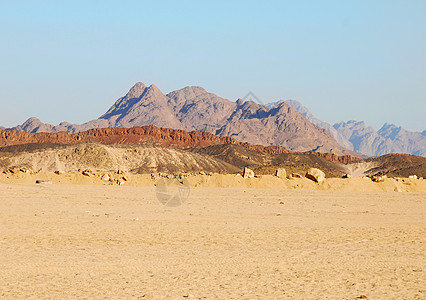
{"type": "Point", "coordinates": [359, 137]}
{"type": "Point", "coordinates": [193, 108]}
{"type": "Point", "coordinates": [307, 114]}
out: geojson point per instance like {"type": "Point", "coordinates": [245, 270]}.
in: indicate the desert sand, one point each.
{"type": "Point", "coordinates": [98, 241]}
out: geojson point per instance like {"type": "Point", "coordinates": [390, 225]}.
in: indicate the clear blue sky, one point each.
{"type": "Point", "coordinates": [70, 60]}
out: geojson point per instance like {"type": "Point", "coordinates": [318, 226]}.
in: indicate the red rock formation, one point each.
{"type": "Point", "coordinates": [344, 159]}
{"type": "Point", "coordinates": [167, 137]}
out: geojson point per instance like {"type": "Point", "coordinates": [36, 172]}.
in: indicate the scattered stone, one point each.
{"type": "Point", "coordinates": [44, 182]}
{"type": "Point", "coordinates": [397, 189]}
{"type": "Point", "coordinates": [420, 270]}
{"type": "Point", "coordinates": [248, 173]}
{"type": "Point", "coordinates": [347, 176]}
{"type": "Point", "coordinates": [106, 177]}
{"type": "Point", "coordinates": [59, 172]}
{"type": "Point", "coordinates": [120, 182]}
{"type": "Point", "coordinates": [281, 173]}
{"type": "Point", "coordinates": [120, 172]}
{"type": "Point", "coordinates": [124, 178]}
{"type": "Point", "coordinates": [412, 176]}
{"type": "Point", "coordinates": [315, 174]}
{"type": "Point", "coordinates": [202, 173]}
{"type": "Point", "coordinates": [281, 202]}
{"type": "Point", "coordinates": [378, 178]}
{"type": "Point", "coordinates": [296, 175]}
{"type": "Point", "coordinates": [25, 170]}
{"type": "Point", "coordinates": [87, 172]}
{"type": "Point", "coordinates": [170, 176]}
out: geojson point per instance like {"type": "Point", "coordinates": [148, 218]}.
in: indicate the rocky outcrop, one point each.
{"type": "Point", "coordinates": [136, 135]}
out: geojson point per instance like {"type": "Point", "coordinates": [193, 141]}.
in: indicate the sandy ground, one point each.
{"type": "Point", "coordinates": [92, 241]}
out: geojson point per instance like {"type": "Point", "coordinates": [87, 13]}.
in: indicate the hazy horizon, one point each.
{"type": "Point", "coordinates": [360, 60]}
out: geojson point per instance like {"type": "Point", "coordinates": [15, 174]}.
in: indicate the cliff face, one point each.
{"type": "Point", "coordinates": [136, 135]}
{"type": "Point", "coordinates": [167, 137]}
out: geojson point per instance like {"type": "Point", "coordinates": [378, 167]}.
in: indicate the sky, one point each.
{"type": "Point", "coordinates": [344, 60]}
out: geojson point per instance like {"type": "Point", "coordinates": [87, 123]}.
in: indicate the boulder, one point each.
{"type": "Point", "coordinates": [347, 176]}
{"type": "Point", "coordinates": [296, 175]}
{"type": "Point", "coordinates": [315, 174]}
{"type": "Point", "coordinates": [412, 176]}
{"type": "Point", "coordinates": [248, 173]}
{"type": "Point", "coordinates": [106, 177]}
{"type": "Point", "coordinates": [281, 173]}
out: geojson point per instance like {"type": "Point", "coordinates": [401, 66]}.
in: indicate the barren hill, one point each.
{"type": "Point", "coordinates": [265, 163]}
{"type": "Point", "coordinates": [129, 158]}
{"type": "Point", "coordinates": [402, 165]}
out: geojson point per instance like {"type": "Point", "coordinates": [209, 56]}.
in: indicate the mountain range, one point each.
{"type": "Point", "coordinates": [285, 123]}
{"type": "Point", "coordinates": [357, 136]}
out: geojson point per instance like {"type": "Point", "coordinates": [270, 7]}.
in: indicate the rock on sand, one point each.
{"type": "Point", "coordinates": [248, 173]}
{"type": "Point", "coordinates": [315, 174]}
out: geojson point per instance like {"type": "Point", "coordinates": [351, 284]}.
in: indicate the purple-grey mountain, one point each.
{"type": "Point", "coordinates": [359, 137]}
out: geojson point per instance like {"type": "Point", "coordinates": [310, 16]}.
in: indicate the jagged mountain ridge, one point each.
{"type": "Point", "coordinates": [193, 108]}
{"type": "Point", "coordinates": [359, 137]}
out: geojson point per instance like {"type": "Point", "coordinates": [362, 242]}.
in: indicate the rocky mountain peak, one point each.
{"type": "Point", "coordinates": [152, 91]}
{"type": "Point", "coordinates": [239, 102]}
{"type": "Point", "coordinates": [187, 93]}
{"type": "Point", "coordinates": [136, 90]}
{"type": "Point", "coordinates": [32, 121]}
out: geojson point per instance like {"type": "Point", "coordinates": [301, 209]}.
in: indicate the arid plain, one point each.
{"type": "Point", "coordinates": [232, 238]}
